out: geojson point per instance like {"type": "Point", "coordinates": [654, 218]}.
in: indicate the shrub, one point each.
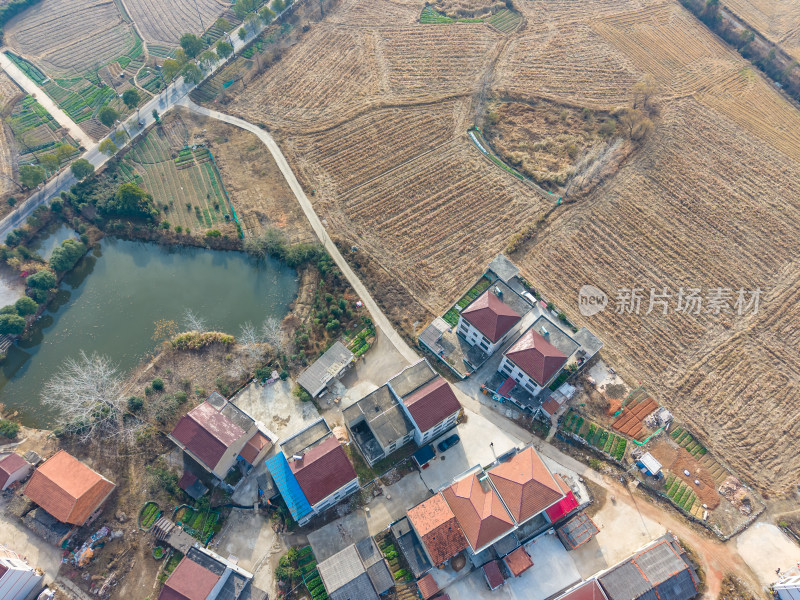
{"type": "Point", "coordinates": [135, 403]}
{"type": "Point", "coordinates": [213, 233]}
{"type": "Point", "coordinates": [158, 384]}
{"type": "Point", "coordinates": [43, 280]}
{"type": "Point", "coordinates": [11, 324]}
{"type": "Point", "coordinates": [303, 395]}
{"type": "Point", "coordinates": [9, 429]}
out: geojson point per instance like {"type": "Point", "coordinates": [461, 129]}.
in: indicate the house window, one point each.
{"type": "Point", "coordinates": [485, 346]}
{"type": "Point", "coordinates": [531, 387]}
{"type": "Point", "coordinates": [506, 369]}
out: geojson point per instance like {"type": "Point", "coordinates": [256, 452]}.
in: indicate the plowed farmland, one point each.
{"type": "Point", "coordinates": [69, 39]}
{"type": "Point", "coordinates": [777, 20]}
{"type": "Point", "coordinates": [165, 21]}
{"type": "Point", "coordinates": [372, 106]}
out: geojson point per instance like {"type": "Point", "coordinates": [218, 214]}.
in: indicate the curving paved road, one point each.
{"type": "Point", "coordinates": [380, 320]}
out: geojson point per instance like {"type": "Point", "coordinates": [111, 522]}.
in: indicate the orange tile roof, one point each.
{"type": "Point", "coordinates": [526, 484]}
{"type": "Point", "coordinates": [67, 489]}
{"type": "Point", "coordinates": [437, 527]}
{"type": "Point", "coordinates": [189, 581]}
{"type": "Point", "coordinates": [479, 511]}
{"type": "Point", "coordinates": [491, 316]}
{"type": "Point", "coordinates": [518, 561]}
{"type": "Point", "coordinates": [254, 446]}
{"type": "Point", "coordinates": [427, 586]}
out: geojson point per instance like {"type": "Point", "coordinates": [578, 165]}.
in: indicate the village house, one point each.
{"type": "Point", "coordinates": [217, 434]}
{"type": "Point", "coordinates": [359, 571]}
{"type": "Point", "coordinates": [660, 570]}
{"type": "Point", "coordinates": [484, 507]}
{"type": "Point", "coordinates": [487, 321]}
{"type": "Point", "coordinates": [312, 472]}
{"type": "Point", "coordinates": [68, 490]}
{"type": "Point", "coordinates": [18, 579]}
{"type": "Point", "coordinates": [326, 369]}
{"type": "Point", "coordinates": [427, 399]}
{"type": "Point", "coordinates": [13, 468]}
{"type": "Point", "coordinates": [204, 575]}
{"type": "Point", "coordinates": [378, 424]}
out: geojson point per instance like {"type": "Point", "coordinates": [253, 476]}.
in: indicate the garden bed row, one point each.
{"type": "Point", "coordinates": [601, 439]}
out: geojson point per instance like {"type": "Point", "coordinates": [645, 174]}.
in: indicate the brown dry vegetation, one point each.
{"type": "Point", "coordinates": [372, 108]}
{"type": "Point", "coordinates": [9, 93]}
{"type": "Point", "coordinates": [468, 8]}
{"type": "Point", "coordinates": [554, 144]}
{"type": "Point", "coordinates": [258, 190]}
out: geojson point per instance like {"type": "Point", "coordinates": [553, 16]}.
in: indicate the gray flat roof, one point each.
{"type": "Point", "coordinates": [590, 343]}
{"type": "Point", "coordinates": [325, 368]}
{"type": "Point", "coordinates": [359, 588]}
{"type": "Point", "coordinates": [373, 560]}
{"type": "Point", "coordinates": [383, 413]}
{"type": "Point", "coordinates": [557, 336]}
{"type": "Point", "coordinates": [412, 378]}
{"type": "Point", "coordinates": [341, 568]}
{"type": "Point", "coordinates": [432, 333]}
{"type": "Point", "coordinates": [503, 267]}
{"type": "Point", "coordinates": [411, 547]}
{"type": "Point", "coordinates": [304, 438]}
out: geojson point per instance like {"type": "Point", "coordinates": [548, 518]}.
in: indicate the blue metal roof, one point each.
{"type": "Point", "coordinates": [424, 455]}
{"type": "Point", "coordinates": [287, 485]}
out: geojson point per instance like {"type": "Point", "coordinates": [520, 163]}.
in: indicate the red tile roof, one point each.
{"type": "Point", "coordinates": [323, 470]}
{"type": "Point", "coordinates": [491, 316]}
{"type": "Point", "coordinates": [563, 508]}
{"type": "Point", "coordinates": [189, 581]}
{"type": "Point", "coordinates": [493, 575]}
{"type": "Point", "coordinates": [525, 484]}
{"type": "Point", "coordinates": [550, 407]}
{"type": "Point", "coordinates": [518, 561]}
{"type": "Point", "coordinates": [437, 526]}
{"type": "Point", "coordinates": [427, 586]}
{"type": "Point", "coordinates": [207, 433]}
{"type": "Point", "coordinates": [187, 480]}
{"type": "Point", "coordinates": [432, 403]}
{"type": "Point", "coordinates": [481, 513]}
{"type": "Point", "coordinates": [67, 489]}
{"type": "Point", "coordinates": [537, 357]}
{"type": "Point", "coordinates": [254, 446]}
{"type": "Point", "coordinates": [9, 465]}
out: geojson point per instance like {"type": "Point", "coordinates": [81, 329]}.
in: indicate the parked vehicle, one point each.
{"type": "Point", "coordinates": [448, 443]}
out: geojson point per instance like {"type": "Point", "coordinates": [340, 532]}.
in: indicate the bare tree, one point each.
{"type": "Point", "coordinates": [643, 92]}
{"type": "Point", "coordinates": [250, 340]}
{"type": "Point", "coordinates": [87, 393]}
{"type": "Point", "coordinates": [193, 321]}
{"type": "Point", "coordinates": [271, 332]}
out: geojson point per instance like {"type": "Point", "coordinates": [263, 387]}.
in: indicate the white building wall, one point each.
{"type": "Point", "coordinates": [19, 580]}
{"type": "Point", "coordinates": [18, 476]}
{"type": "Point", "coordinates": [476, 338]}
{"type": "Point", "coordinates": [431, 434]}
{"type": "Point", "coordinates": [509, 369]}
{"type": "Point", "coordinates": [336, 497]}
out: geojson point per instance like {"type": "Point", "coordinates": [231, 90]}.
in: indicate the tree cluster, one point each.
{"type": "Point", "coordinates": [67, 254]}
{"type": "Point", "coordinates": [129, 201]}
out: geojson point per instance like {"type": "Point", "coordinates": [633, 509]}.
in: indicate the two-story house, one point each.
{"type": "Point", "coordinates": [487, 322]}
{"type": "Point", "coordinates": [312, 472]}
{"type": "Point", "coordinates": [427, 399]}
{"type": "Point", "coordinates": [217, 434]}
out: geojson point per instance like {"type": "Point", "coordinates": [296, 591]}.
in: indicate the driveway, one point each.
{"type": "Point", "coordinates": [249, 537]}
{"type": "Point", "coordinates": [383, 510]}
{"type": "Point", "coordinates": [476, 434]}
{"type": "Point", "coordinates": [765, 548]}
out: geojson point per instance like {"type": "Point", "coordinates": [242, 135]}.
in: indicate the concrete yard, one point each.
{"type": "Point", "coordinates": [765, 548]}
{"type": "Point", "coordinates": [249, 537]}
{"type": "Point", "coordinates": [276, 407]}
{"type": "Point", "coordinates": [383, 510]}
{"type": "Point", "coordinates": [622, 531]}
{"type": "Point", "coordinates": [36, 551]}
{"type": "Point", "coordinates": [476, 434]}
{"type": "Point", "coordinates": [553, 571]}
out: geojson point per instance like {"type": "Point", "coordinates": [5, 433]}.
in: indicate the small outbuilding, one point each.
{"type": "Point", "coordinates": [328, 367]}
{"type": "Point", "coordinates": [13, 468]}
{"type": "Point", "coordinates": [649, 465]}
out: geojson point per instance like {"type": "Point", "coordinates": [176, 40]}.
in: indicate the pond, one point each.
{"type": "Point", "coordinates": [111, 301]}
{"type": "Point", "coordinates": [50, 239]}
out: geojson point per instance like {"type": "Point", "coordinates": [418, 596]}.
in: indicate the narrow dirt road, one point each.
{"type": "Point", "coordinates": [380, 320]}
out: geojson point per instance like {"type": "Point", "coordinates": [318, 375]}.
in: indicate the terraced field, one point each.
{"type": "Point", "coordinates": [777, 20]}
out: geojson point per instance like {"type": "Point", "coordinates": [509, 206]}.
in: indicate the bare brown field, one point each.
{"type": "Point", "coordinates": [777, 20]}
{"type": "Point", "coordinates": [687, 212]}
{"type": "Point", "coordinates": [70, 38]}
{"type": "Point", "coordinates": [468, 8]}
{"type": "Point", "coordinates": [9, 92]}
{"type": "Point", "coordinates": [372, 109]}
{"type": "Point", "coordinates": [165, 21]}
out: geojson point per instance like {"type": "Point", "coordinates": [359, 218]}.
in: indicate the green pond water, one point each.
{"type": "Point", "coordinates": [110, 302]}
